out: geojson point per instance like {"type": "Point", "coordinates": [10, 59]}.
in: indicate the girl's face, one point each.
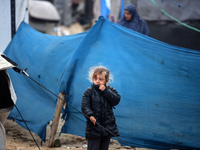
{"type": "Point", "coordinates": [99, 80]}
{"type": "Point", "coordinates": [127, 15]}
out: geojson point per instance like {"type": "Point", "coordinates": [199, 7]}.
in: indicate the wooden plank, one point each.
{"type": "Point", "coordinates": [56, 118]}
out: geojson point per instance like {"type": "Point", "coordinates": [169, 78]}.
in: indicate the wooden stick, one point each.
{"type": "Point", "coordinates": [56, 118]}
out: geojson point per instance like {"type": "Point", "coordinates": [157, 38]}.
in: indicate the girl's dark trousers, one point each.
{"type": "Point", "coordinates": [101, 143]}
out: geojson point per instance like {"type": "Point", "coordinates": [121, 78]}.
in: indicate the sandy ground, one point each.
{"type": "Point", "coordinates": [18, 138]}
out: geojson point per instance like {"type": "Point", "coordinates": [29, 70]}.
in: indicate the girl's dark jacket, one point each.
{"type": "Point", "coordinates": [99, 104]}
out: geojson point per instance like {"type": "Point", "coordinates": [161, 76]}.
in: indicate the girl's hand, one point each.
{"type": "Point", "coordinates": [102, 87]}
{"type": "Point", "coordinates": [93, 119]}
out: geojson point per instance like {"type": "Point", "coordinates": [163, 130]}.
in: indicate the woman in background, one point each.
{"type": "Point", "coordinates": [132, 20]}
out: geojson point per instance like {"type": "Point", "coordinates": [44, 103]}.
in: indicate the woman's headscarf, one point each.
{"type": "Point", "coordinates": [136, 23]}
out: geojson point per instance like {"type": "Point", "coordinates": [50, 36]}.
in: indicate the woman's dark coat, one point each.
{"type": "Point", "coordinates": [99, 104]}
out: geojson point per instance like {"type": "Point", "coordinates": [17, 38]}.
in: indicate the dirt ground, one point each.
{"type": "Point", "coordinates": [18, 138]}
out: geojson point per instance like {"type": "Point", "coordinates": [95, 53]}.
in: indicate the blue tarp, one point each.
{"type": "Point", "coordinates": [159, 83]}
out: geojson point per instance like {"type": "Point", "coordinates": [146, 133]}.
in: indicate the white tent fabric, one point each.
{"type": "Point", "coordinates": [21, 13]}
{"type": "Point", "coordinates": [183, 10]}
{"type": "Point", "coordinates": [4, 64]}
{"type": "Point", "coordinates": [5, 37]}
{"type": "Point", "coordinates": [12, 91]}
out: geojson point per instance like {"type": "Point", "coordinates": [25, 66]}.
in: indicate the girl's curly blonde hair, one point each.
{"type": "Point", "coordinates": [96, 70]}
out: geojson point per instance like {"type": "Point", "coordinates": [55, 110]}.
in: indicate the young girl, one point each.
{"type": "Point", "coordinates": [97, 103]}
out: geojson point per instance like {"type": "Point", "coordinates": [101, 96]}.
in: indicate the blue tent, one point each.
{"type": "Point", "coordinates": [159, 83]}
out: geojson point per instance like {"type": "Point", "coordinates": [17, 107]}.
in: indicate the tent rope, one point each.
{"type": "Point", "coordinates": [184, 24]}
{"type": "Point", "coordinates": [27, 127]}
